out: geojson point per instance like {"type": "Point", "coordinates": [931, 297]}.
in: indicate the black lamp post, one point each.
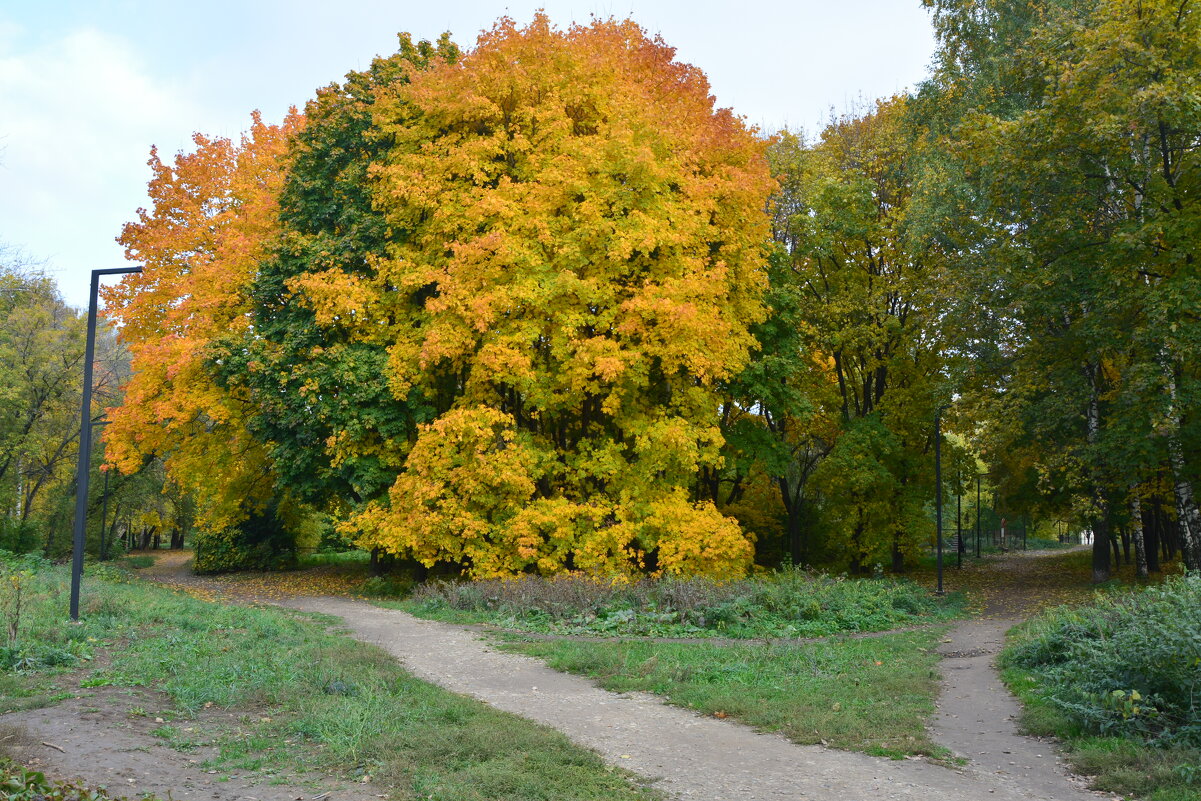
{"type": "Point", "coordinates": [938, 491]}
{"type": "Point", "coordinates": [85, 437]}
{"type": "Point", "coordinates": [977, 515]}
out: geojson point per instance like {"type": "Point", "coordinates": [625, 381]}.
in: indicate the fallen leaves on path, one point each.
{"type": "Point", "coordinates": [1020, 584]}
{"type": "Point", "coordinates": [174, 568]}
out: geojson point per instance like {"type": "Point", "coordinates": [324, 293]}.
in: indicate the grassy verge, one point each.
{"type": "Point", "coordinates": [1118, 764]}
{"type": "Point", "coordinates": [870, 694]}
{"type": "Point", "coordinates": [1117, 681]}
{"type": "Point", "coordinates": [302, 698]}
{"type": "Point", "coordinates": [783, 604]}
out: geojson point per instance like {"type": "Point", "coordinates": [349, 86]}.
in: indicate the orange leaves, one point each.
{"type": "Point", "coordinates": [214, 213]}
{"type": "Point", "coordinates": [557, 241]}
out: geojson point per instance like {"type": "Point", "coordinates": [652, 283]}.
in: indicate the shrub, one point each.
{"type": "Point", "coordinates": [19, 536]}
{"type": "Point", "coordinates": [788, 603]}
{"type": "Point", "coordinates": [1129, 664]}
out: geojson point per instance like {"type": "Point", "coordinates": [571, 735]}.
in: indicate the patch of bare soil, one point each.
{"type": "Point", "coordinates": [103, 736]}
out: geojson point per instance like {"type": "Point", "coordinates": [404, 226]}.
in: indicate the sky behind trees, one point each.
{"type": "Point", "coordinates": [87, 86]}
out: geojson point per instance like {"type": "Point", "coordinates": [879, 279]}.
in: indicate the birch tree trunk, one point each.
{"type": "Point", "coordinates": [1136, 534]}
{"type": "Point", "coordinates": [1101, 563]}
{"type": "Point", "coordinates": [1188, 518]}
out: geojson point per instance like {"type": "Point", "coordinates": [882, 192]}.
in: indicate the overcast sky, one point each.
{"type": "Point", "coordinates": [87, 86]}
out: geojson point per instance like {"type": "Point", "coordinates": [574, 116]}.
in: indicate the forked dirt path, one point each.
{"type": "Point", "coordinates": [698, 757]}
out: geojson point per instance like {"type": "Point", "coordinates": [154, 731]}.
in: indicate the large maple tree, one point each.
{"type": "Point", "coordinates": [582, 252]}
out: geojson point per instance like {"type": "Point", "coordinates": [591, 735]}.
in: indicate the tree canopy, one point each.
{"type": "Point", "coordinates": [538, 305]}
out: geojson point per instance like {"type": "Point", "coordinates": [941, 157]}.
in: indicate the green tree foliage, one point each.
{"type": "Point", "coordinates": [41, 377]}
{"type": "Point", "coordinates": [862, 284]}
{"type": "Point", "coordinates": [41, 368]}
{"type": "Point", "coordinates": [335, 432]}
{"type": "Point", "coordinates": [1076, 131]}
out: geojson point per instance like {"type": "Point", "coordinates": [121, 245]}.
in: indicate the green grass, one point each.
{"type": "Point", "coordinates": [136, 562]}
{"type": "Point", "coordinates": [1117, 680]}
{"type": "Point", "coordinates": [294, 695]}
{"type": "Point", "coordinates": [783, 604]}
{"type": "Point", "coordinates": [871, 694]}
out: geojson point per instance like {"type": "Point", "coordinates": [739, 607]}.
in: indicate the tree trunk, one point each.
{"type": "Point", "coordinates": [1101, 565]}
{"type": "Point", "coordinates": [1136, 534]}
{"type": "Point", "coordinates": [1188, 518]}
{"type": "Point", "coordinates": [792, 513]}
{"type": "Point", "coordinates": [1150, 524]}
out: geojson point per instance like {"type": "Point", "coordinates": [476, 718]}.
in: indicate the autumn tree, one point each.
{"type": "Point", "coordinates": [1073, 124]}
{"type": "Point", "coordinates": [864, 282]}
{"type": "Point", "coordinates": [41, 369]}
{"type": "Point", "coordinates": [215, 211]}
{"type": "Point", "coordinates": [576, 250]}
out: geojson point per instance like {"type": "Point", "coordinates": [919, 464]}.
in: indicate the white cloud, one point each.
{"type": "Point", "coordinates": [77, 117]}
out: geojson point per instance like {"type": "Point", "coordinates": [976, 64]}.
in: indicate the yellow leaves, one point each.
{"type": "Point", "coordinates": [695, 539]}
{"type": "Point", "coordinates": [579, 252]}
{"type": "Point", "coordinates": [337, 299]}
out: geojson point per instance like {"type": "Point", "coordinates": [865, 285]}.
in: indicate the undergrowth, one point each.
{"type": "Point", "coordinates": [1118, 681]}
{"type": "Point", "coordinates": [786, 603]}
{"type": "Point", "coordinates": [20, 784]}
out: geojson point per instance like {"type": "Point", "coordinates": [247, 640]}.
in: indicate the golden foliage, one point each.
{"type": "Point", "coordinates": [581, 239]}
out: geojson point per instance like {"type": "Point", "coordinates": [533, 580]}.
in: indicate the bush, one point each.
{"type": "Point", "coordinates": [786, 603]}
{"type": "Point", "coordinates": [380, 587]}
{"type": "Point", "coordinates": [261, 542]}
{"type": "Point", "coordinates": [18, 536]}
{"type": "Point", "coordinates": [1130, 664]}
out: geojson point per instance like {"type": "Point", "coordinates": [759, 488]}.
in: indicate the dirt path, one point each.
{"type": "Point", "coordinates": [95, 736]}
{"type": "Point", "coordinates": [694, 757]}
{"type": "Point", "coordinates": [977, 717]}
{"type": "Point", "coordinates": [697, 757]}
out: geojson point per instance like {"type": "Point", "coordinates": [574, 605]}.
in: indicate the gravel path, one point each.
{"type": "Point", "coordinates": [696, 757]}
{"type": "Point", "coordinates": [977, 717]}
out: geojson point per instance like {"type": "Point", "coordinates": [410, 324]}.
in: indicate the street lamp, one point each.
{"type": "Point", "coordinates": [938, 491]}
{"type": "Point", "coordinates": [978, 476]}
{"type": "Point", "coordinates": [85, 437]}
